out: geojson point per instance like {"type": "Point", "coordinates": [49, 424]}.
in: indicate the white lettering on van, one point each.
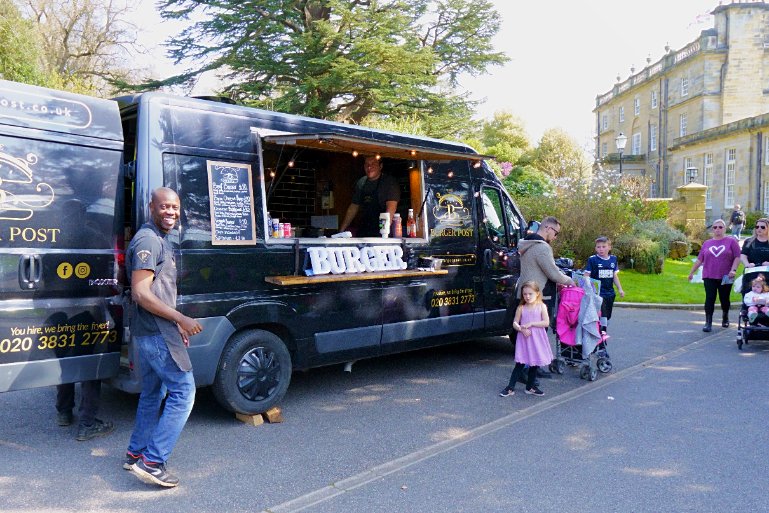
{"type": "Point", "coordinates": [350, 259]}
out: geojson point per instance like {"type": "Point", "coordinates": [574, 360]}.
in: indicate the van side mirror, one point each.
{"type": "Point", "coordinates": [532, 228]}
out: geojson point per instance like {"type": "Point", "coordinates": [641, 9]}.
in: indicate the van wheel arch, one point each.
{"type": "Point", "coordinates": [254, 372]}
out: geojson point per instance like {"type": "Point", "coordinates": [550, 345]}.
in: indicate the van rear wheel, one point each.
{"type": "Point", "coordinates": [254, 372]}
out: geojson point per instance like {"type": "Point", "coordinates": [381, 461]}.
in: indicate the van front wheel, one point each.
{"type": "Point", "coordinates": [253, 373]}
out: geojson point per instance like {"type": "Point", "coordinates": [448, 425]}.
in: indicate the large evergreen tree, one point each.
{"type": "Point", "coordinates": [340, 59]}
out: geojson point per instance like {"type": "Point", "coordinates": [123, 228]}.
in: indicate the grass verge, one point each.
{"type": "Point", "coordinates": [671, 286]}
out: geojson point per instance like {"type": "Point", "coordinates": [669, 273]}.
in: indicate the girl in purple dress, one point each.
{"type": "Point", "coordinates": [532, 347]}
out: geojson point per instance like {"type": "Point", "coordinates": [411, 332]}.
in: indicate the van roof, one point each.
{"type": "Point", "coordinates": [312, 128]}
{"type": "Point", "coordinates": [28, 106]}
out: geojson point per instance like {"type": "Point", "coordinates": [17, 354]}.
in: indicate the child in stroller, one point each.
{"type": "Point", "coordinates": [757, 299]}
{"type": "Point", "coordinates": [754, 314]}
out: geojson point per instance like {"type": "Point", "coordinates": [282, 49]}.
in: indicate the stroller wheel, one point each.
{"type": "Point", "coordinates": [592, 374]}
{"type": "Point", "coordinates": [604, 365]}
{"type": "Point", "coordinates": [560, 366]}
{"type": "Point", "coordinates": [584, 372]}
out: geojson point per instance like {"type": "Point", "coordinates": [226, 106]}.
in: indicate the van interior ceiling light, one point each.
{"type": "Point", "coordinates": [354, 153]}
{"type": "Point", "coordinates": [378, 156]}
{"type": "Point", "coordinates": [290, 163]}
{"type": "Point", "coordinates": [413, 152]}
{"type": "Point", "coordinates": [450, 174]}
{"type": "Point", "coordinates": [430, 170]}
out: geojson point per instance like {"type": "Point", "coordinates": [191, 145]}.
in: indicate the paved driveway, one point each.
{"type": "Point", "coordinates": [425, 431]}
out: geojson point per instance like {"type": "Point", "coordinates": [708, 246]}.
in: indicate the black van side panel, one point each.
{"type": "Point", "coordinates": [60, 179]}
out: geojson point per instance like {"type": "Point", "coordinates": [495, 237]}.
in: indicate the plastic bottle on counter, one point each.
{"type": "Point", "coordinates": [397, 226]}
{"type": "Point", "coordinates": [411, 224]}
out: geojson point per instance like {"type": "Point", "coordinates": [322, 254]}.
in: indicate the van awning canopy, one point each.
{"type": "Point", "coordinates": [364, 146]}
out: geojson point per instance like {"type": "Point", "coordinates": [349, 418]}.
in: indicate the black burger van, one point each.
{"type": "Point", "coordinates": [262, 194]}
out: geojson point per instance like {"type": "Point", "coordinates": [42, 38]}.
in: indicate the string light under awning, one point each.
{"type": "Point", "coordinates": [365, 146]}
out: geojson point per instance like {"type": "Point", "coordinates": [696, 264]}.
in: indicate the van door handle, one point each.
{"type": "Point", "coordinates": [487, 258]}
{"type": "Point", "coordinates": [30, 271]}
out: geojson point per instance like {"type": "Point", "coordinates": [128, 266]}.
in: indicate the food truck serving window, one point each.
{"type": "Point", "coordinates": [310, 181]}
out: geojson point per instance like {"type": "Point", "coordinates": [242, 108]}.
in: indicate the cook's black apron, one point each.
{"type": "Point", "coordinates": [369, 210]}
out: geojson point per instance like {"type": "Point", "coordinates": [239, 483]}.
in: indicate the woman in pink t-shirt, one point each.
{"type": "Point", "coordinates": [719, 258]}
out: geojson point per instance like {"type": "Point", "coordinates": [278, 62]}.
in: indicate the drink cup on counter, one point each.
{"type": "Point", "coordinates": [275, 227]}
{"type": "Point", "coordinates": [286, 230]}
{"type": "Point", "coordinates": [384, 224]}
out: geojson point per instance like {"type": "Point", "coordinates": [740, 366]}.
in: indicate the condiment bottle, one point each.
{"type": "Point", "coordinates": [411, 224]}
{"type": "Point", "coordinates": [397, 226]}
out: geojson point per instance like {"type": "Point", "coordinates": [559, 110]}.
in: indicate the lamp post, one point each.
{"type": "Point", "coordinates": [620, 141]}
{"type": "Point", "coordinates": [691, 173]}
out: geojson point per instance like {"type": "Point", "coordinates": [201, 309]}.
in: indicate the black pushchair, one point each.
{"type": "Point", "coordinates": [759, 328]}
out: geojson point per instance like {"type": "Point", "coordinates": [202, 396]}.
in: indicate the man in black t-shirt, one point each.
{"type": "Point", "coordinates": [374, 193]}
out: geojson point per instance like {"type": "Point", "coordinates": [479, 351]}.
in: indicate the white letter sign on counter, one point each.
{"type": "Point", "coordinates": [349, 259]}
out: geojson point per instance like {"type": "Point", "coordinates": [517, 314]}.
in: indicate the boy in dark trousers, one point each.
{"type": "Point", "coordinates": [603, 267]}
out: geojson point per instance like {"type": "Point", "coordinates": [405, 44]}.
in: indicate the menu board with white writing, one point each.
{"type": "Point", "coordinates": [232, 203]}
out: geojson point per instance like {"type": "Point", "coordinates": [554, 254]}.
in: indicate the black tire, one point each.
{"type": "Point", "coordinates": [560, 366]}
{"type": "Point", "coordinates": [584, 372]}
{"type": "Point", "coordinates": [604, 365]}
{"type": "Point", "coordinates": [254, 372]}
{"type": "Point", "coordinates": [592, 374]}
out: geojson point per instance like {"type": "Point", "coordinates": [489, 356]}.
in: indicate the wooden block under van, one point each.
{"type": "Point", "coordinates": [273, 415]}
{"type": "Point", "coordinates": [251, 420]}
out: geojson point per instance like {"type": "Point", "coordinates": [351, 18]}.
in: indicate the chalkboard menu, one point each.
{"type": "Point", "coordinates": [232, 203]}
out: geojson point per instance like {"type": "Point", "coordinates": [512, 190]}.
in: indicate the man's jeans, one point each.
{"type": "Point", "coordinates": [155, 433]}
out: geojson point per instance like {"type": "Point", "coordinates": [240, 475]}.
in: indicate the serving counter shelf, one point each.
{"type": "Point", "coordinates": [334, 278]}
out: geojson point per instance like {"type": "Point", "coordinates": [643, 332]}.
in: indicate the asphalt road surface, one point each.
{"type": "Point", "coordinates": [680, 424]}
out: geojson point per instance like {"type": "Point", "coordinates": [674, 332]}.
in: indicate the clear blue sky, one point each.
{"type": "Point", "coordinates": [563, 53]}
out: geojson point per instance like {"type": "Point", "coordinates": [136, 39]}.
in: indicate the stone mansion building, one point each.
{"type": "Point", "coordinates": [700, 113]}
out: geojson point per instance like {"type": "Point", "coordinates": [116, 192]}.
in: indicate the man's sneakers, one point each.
{"type": "Point", "coordinates": [130, 460]}
{"type": "Point", "coordinates": [154, 473]}
{"type": "Point", "coordinates": [98, 428]}
{"type": "Point", "coordinates": [535, 391]}
{"type": "Point", "coordinates": [64, 418]}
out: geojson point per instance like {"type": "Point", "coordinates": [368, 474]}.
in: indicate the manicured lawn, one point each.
{"type": "Point", "coordinates": [672, 286]}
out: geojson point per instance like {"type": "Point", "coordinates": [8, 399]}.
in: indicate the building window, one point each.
{"type": "Point", "coordinates": [729, 175]}
{"type": "Point", "coordinates": [766, 149]}
{"type": "Point", "coordinates": [605, 122]}
{"type": "Point", "coordinates": [765, 204]}
{"type": "Point", "coordinates": [636, 106]}
{"type": "Point", "coordinates": [684, 86]}
{"type": "Point", "coordinates": [653, 138]}
{"type": "Point", "coordinates": [687, 165]}
{"type": "Point", "coordinates": [636, 143]}
{"type": "Point", "coordinates": [682, 125]}
{"type": "Point", "coordinates": [707, 179]}
{"type": "Point", "coordinates": [604, 149]}
{"type": "Point", "coordinates": [654, 100]}
{"type": "Point", "coordinates": [621, 114]}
